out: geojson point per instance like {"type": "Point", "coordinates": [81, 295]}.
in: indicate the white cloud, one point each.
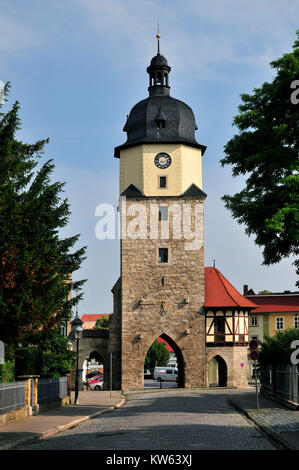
{"type": "Point", "coordinates": [196, 35]}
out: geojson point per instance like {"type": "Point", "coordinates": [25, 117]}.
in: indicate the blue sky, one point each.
{"type": "Point", "coordinates": [77, 67]}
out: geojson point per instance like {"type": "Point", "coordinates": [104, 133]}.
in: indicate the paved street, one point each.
{"type": "Point", "coordinates": [155, 384]}
{"type": "Point", "coordinates": [166, 420]}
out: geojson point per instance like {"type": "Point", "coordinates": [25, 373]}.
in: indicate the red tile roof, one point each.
{"type": "Point", "coordinates": [94, 316]}
{"type": "Point", "coordinates": [161, 340]}
{"type": "Point", "coordinates": [275, 303]}
{"type": "Point", "coordinates": [219, 292]}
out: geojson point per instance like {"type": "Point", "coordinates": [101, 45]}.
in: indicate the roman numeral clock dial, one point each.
{"type": "Point", "coordinates": [162, 160]}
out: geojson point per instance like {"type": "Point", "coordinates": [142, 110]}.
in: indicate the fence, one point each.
{"type": "Point", "coordinates": [52, 389]}
{"type": "Point", "coordinates": [18, 400]}
{"type": "Point", "coordinates": [12, 396]}
{"type": "Point", "coordinates": [281, 381]}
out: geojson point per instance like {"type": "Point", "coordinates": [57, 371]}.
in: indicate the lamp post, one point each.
{"type": "Point", "coordinates": [77, 326]}
{"type": "Point", "coordinates": [86, 375]}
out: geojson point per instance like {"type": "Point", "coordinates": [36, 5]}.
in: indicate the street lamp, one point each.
{"type": "Point", "coordinates": [77, 327]}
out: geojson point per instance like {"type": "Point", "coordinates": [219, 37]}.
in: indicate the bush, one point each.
{"type": "Point", "coordinates": [46, 354]}
{"type": "Point", "coordinates": [56, 358]}
{"type": "Point", "coordinates": [27, 361]}
{"type": "Point", "coordinates": [7, 370]}
{"type": "Point", "coordinates": [277, 349]}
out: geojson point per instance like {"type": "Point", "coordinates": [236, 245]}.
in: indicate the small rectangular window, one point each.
{"type": "Point", "coordinates": [254, 321]}
{"type": "Point", "coordinates": [162, 181]}
{"type": "Point", "coordinates": [163, 255]}
{"type": "Point", "coordinates": [279, 323]}
{"type": "Point", "coordinates": [163, 213]}
{"type": "Point", "coordinates": [296, 322]}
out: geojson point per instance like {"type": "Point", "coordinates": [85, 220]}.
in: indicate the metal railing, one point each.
{"type": "Point", "coordinates": [12, 396]}
{"type": "Point", "coordinates": [52, 389]}
{"type": "Point", "coordinates": [281, 381]}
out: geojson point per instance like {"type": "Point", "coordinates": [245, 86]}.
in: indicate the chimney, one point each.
{"type": "Point", "coordinates": [245, 290]}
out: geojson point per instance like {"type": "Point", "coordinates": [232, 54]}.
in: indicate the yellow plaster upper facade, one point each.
{"type": "Point", "coordinates": [281, 321]}
{"type": "Point", "coordinates": [137, 167]}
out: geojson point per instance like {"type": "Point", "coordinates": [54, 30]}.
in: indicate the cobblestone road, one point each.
{"type": "Point", "coordinates": [170, 420]}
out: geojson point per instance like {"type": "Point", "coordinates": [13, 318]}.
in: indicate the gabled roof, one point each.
{"type": "Point", "coordinates": [168, 347]}
{"type": "Point", "coordinates": [93, 316]}
{"type": "Point", "coordinates": [194, 191]}
{"type": "Point", "coordinates": [275, 303]}
{"type": "Point", "coordinates": [219, 292]}
{"type": "Point", "coordinates": [132, 191]}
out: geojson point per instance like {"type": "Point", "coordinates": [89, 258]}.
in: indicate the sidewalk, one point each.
{"type": "Point", "coordinates": [91, 404]}
{"type": "Point", "coordinates": [279, 422]}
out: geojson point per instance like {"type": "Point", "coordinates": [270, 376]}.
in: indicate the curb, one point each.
{"type": "Point", "coordinates": [275, 437]}
{"type": "Point", "coordinates": [63, 427]}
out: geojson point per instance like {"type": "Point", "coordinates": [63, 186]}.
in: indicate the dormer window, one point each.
{"type": "Point", "coordinates": [160, 119]}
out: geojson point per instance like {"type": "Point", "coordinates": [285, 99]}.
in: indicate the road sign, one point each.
{"type": "Point", "coordinates": [253, 344]}
{"type": "Point", "coordinates": [254, 355]}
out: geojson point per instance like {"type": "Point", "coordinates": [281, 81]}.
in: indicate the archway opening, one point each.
{"type": "Point", "coordinates": [93, 365]}
{"type": "Point", "coordinates": [217, 372]}
{"type": "Point", "coordinates": [164, 365]}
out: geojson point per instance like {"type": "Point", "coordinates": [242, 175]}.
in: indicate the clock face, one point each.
{"type": "Point", "coordinates": [162, 160]}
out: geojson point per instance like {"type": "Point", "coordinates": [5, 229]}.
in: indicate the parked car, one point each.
{"type": "Point", "coordinates": [166, 374]}
{"type": "Point", "coordinates": [90, 376]}
{"type": "Point", "coordinates": [97, 384]}
{"type": "Point", "coordinates": [95, 378]}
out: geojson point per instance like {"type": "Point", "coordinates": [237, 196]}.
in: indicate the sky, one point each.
{"type": "Point", "coordinates": [77, 68]}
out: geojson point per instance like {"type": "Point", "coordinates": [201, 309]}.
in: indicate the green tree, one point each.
{"type": "Point", "coordinates": [277, 349]}
{"type": "Point", "coordinates": [266, 151]}
{"type": "Point", "coordinates": [157, 355]}
{"type": "Point", "coordinates": [35, 263]}
{"type": "Point", "coordinates": [103, 323]}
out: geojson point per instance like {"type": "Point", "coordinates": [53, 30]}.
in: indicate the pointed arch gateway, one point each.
{"type": "Point", "coordinates": [179, 357]}
{"type": "Point", "coordinates": [217, 372]}
{"type": "Point", "coordinates": [180, 360]}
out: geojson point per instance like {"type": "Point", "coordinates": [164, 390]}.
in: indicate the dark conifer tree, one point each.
{"type": "Point", "coordinates": [36, 265]}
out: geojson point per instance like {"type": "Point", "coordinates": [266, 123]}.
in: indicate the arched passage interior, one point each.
{"type": "Point", "coordinates": [176, 361]}
{"type": "Point", "coordinates": [93, 363]}
{"type": "Point", "coordinates": [217, 372]}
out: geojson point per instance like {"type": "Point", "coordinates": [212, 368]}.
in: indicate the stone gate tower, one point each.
{"type": "Point", "coordinates": [161, 288]}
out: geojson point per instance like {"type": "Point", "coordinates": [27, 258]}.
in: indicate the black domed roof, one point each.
{"type": "Point", "coordinates": [159, 60]}
{"type": "Point", "coordinates": [160, 118]}
{"type": "Point", "coordinates": [179, 123]}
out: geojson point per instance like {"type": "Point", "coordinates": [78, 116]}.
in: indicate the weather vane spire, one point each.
{"type": "Point", "coordinates": [158, 36]}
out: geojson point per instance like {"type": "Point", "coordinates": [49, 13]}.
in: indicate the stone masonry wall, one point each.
{"type": "Point", "coordinates": [162, 298]}
{"type": "Point", "coordinates": [236, 361]}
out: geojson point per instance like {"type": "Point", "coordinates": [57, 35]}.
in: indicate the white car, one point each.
{"type": "Point", "coordinates": [166, 374]}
